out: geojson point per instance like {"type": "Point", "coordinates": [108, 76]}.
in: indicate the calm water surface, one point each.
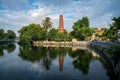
{"type": "Point", "coordinates": [40, 63]}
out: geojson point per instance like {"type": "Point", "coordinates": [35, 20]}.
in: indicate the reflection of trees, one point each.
{"type": "Point", "coordinates": [1, 51]}
{"type": "Point", "coordinates": [9, 47]}
{"type": "Point", "coordinates": [52, 53]}
{"type": "Point", "coordinates": [46, 58]}
{"type": "Point", "coordinates": [30, 53]}
{"type": "Point", "coordinates": [42, 54]}
{"type": "Point", "coordinates": [61, 50]}
{"type": "Point", "coordinates": [82, 60]}
{"type": "Point", "coordinates": [36, 54]}
{"type": "Point", "coordinates": [45, 55]}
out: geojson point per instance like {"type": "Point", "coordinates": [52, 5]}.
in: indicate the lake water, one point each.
{"type": "Point", "coordinates": [51, 63]}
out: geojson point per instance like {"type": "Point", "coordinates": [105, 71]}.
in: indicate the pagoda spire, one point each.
{"type": "Point", "coordinates": [61, 24]}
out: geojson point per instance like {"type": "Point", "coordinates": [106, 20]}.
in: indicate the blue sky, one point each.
{"type": "Point", "coordinates": [16, 13]}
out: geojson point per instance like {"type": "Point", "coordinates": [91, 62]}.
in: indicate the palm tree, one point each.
{"type": "Point", "coordinates": [47, 24]}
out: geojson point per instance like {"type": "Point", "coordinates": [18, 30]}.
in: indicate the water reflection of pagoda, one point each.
{"type": "Point", "coordinates": [61, 61]}
{"type": "Point", "coordinates": [61, 56]}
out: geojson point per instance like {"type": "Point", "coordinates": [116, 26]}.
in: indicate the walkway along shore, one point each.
{"type": "Point", "coordinates": [62, 43]}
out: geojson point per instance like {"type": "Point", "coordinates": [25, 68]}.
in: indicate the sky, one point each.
{"type": "Point", "coordinates": [17, 13]}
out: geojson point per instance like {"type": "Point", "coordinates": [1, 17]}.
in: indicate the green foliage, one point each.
{"type": "Point", "coordinates": [10, 47]}
{"type": "Point", "coordinates": [47, 24]}
{"type": "Point", "coordinates": [112, 32]}
{"type": "Point", "coordinates": [5, 36]}
{"type": "Point", "coordinates": [36, 32]}
{"type": "Point", "coordinates": [81, 29]}
{"type": "Point", "coordinates": [84, 22]}
{"type": "Point", "coordinates": [81, 60]}
{"type": "Point", "coordinates": [11, 34]}
{"type": "Point", "coordinates": [60, 36]}
{"type": "Point", "coordinates": [1, 50]}
{"type": "Point", "coordinates": [106, 34]}
{"type": "Point", "coordinates": [83, 33]}
{"type": "Point", "coordinates": [114, 51]}
{"type": "Point", "coordinates": [45, 55]}
{"type": "Point", "coordinates": [116, 23]}
{"type": "Point", "coordinates": [32, 54]}
{"type": "Point", "coordinates": [52, 33]}
{"type": "Point", "coordinates": [31, 32]}
{"type": "Point", "coordinates": [1, 34]}
{"type": "Point", "coordinates": [115, 27]}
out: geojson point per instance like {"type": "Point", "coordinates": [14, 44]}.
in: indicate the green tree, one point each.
{"type": "Point", "coordinates": [47, 24]}
{"type": "Point", "coordinates": [85, 33]}
{"type": "Point", "coordinates": [115, 26]}
{"type": "Point", "coordinates": [81, 29]}
{"type": "Point", "coordinates": [2, 34]}
{"type": "Point", "coordinates": [31, 32]}
{"type": "Point", "coordinates": [52, 33]}
{"type": "Point", "coordinates": [60, 36]}
{"type": "Point", "coordinates": [106, 34]}
{"type": "Point", "coordinates": [84, 22]}
{"type": "Point", "coordinates": [114, 52]}
{"type": "Point", "coordinates": [10, 34]}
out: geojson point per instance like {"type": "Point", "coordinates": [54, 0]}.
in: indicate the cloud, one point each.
{"type": "Point", "coordinates": [54, 3]}
{"type": "Point", "coordinates": [16, 19]}
{"type": "Point", "coordinates": [16, 13]}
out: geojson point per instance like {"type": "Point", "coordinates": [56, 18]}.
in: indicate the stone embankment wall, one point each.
{"type": "Point", "coordinates": [102, 46]}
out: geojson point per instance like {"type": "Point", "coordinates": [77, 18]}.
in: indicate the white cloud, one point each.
{"type": "Point", "coordinates": [37, 15]}
{"type": "Point", "coordinates": [15, 20]}
{"type": "Point", "coordinates": [15, 15]}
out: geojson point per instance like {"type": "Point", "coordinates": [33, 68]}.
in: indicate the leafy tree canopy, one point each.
{"type": "Point", "coordinates": [52, 33]}
{"type": "Point", "coordinates": [9, 35]}
{"type": "Point", "coordinates": [46, 23]}
{"type": "Point", "coordinates": [1, 34]}
{"type": "Point", "coordinates": [81, 29]}
{"type": "Point", "coordinates": [84, 22]}
{"type": "Point", "coordinates": [116, 23]}
{"type": "Point", "coordinates": [31, 32]}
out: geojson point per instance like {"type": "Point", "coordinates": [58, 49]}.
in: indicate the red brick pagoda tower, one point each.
{"type": "Point", "coordinates": [61, 24]}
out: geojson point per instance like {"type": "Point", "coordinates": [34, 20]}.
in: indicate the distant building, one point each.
{"type": "Point", "coordinates": [61, 24]}
{"type": "Point", "coordinates": [97, 32]}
